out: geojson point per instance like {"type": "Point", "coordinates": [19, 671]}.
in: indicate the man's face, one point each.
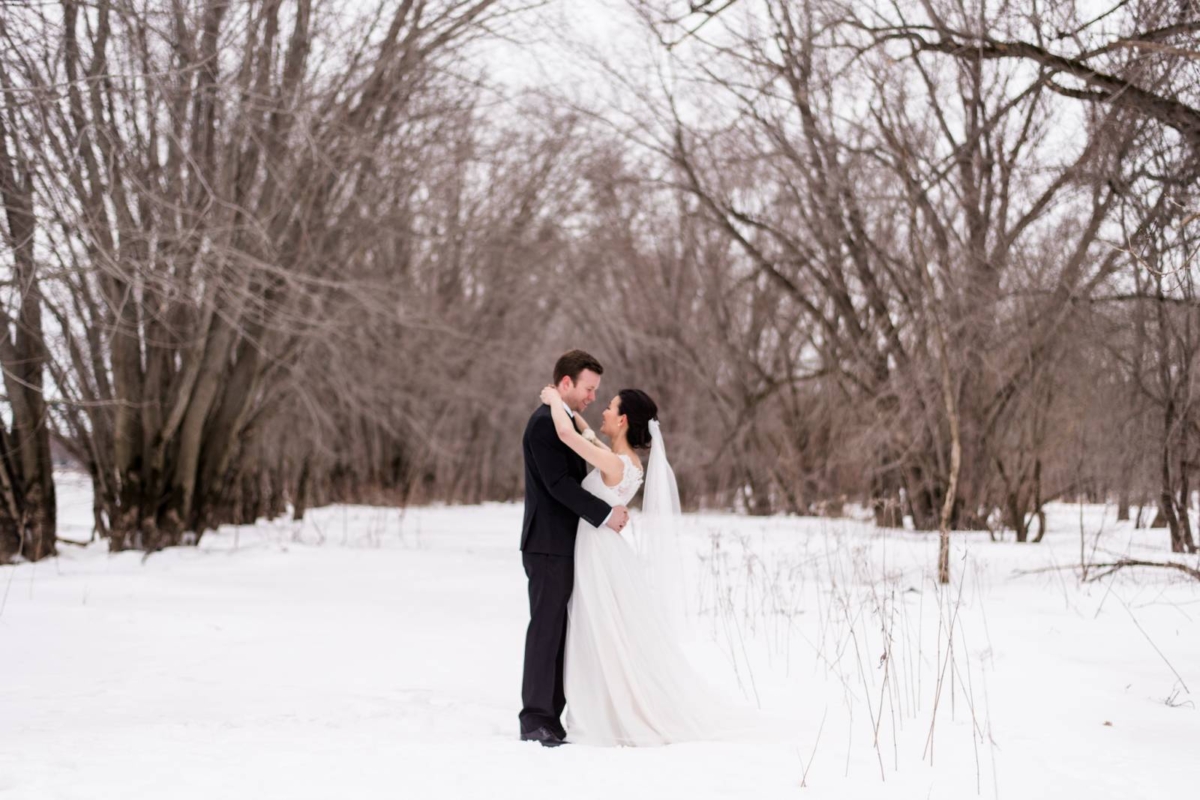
{"type": "Point", "coordinates": [580, 394]}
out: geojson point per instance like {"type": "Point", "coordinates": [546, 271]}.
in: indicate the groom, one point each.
{"type": "Point", "coordinates": [554, 503]}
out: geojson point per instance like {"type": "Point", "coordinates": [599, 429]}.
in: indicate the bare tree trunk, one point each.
{"type": "Point", "coordinates": [28, 513]}
{"type": "Point", "coordinates": [300, 504]}
{"type": "Point", "coordinates": [948, 398]}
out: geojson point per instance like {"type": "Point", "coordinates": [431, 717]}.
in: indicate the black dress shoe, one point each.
{"type": "Point", "coordinates": [543, 735]}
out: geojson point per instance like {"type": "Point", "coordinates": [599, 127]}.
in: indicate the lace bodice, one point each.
{"type": "Point", "coordinates": [623, 492]}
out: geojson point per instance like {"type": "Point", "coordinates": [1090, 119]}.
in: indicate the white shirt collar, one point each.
{"type": "Point", "coordinates": [570, 413]}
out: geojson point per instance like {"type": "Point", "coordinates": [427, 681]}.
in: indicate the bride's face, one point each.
{"type": "Point", "coordinates": [613, 419]}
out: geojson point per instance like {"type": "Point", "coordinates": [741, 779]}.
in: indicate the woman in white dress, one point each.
{"type": "Point", "coordinates": [626, 675]}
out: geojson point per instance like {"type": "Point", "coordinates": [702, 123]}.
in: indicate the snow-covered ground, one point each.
{"type": "Point", "coordinates": [370, 652]}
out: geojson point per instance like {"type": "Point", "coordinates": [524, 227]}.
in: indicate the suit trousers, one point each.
{"type": "Point", "coordinates": [551, 579]}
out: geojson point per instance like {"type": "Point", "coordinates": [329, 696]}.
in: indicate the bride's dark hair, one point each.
{"type": "Point", "coordinates": [639, 409]}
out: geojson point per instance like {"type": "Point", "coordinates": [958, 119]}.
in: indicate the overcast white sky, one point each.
{"type": "Point", "coordinates": [556, 47]}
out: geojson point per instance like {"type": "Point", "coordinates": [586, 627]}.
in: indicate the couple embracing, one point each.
{"type": "Point", "coordinates": [601, 641]}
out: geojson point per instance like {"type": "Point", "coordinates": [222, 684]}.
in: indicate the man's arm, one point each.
{"type": "Point", "coordinates": [554, 466]}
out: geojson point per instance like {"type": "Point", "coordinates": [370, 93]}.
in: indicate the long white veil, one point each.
{"type": "Point", "coordinates": [658, 544]}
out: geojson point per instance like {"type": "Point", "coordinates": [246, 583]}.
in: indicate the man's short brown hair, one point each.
{"type": "Point", "coordinates": [573, 362]}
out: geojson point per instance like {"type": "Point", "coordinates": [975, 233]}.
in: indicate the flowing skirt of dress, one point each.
{"type": "Point", "coordinates": [627, 676]}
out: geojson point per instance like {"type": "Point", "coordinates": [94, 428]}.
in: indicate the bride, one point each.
{"type": "Point", "coordinates": [627, 679]}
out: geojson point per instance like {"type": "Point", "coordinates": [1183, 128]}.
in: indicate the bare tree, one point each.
{"type": "Point", "coordinates": [940, 171]}
{"type": "Point", "coordinates": [202, 170]}
{"type": "Point", "coordinates": [27, 501]}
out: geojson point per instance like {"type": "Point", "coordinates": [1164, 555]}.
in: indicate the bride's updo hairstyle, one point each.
{"type": "Point", "coordinates": [638, 409]}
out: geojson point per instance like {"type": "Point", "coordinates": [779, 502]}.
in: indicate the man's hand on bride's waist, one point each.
{"type": "Point", "coordinates": [619, 518]}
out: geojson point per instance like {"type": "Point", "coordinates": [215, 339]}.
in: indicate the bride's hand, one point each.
{"type": "Point", "coordinates": [550, 396]}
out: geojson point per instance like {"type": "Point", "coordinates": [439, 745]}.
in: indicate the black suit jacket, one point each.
{"type": "Point", "coordinates": [554, 499]}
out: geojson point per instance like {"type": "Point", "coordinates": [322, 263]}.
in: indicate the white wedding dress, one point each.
{"type": "Point", "coordinates": [626, 675]}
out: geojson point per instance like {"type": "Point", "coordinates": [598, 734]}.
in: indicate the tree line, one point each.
{"type": "Point", "coordinates": [266, 255]}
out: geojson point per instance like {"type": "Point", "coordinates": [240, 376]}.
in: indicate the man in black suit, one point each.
{"type": "Point", "coordinates": [554, 503]}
